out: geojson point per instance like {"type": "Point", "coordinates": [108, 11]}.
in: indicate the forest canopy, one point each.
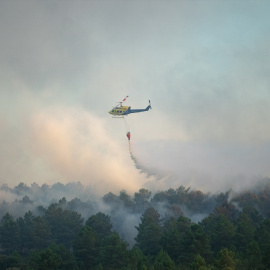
{"type": "Point", "coordinates": [179, 228]}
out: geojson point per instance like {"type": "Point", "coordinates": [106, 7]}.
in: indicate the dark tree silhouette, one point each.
{"type": "Point", "coordinates": [149, 232]}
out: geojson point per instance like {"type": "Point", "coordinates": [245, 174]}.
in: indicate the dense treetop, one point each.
{"type": "Point", "coordinates": [174, 229]}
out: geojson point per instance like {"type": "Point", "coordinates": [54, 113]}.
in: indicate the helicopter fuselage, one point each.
{"type": "Point", "coordinates": [125, 110]}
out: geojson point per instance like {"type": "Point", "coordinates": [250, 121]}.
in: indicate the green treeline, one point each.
{"type": "Point", "coordinates": [234, 232]}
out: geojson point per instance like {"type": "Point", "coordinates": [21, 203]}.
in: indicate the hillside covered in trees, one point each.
{"type": "Point", "coordinates": [65, 227]}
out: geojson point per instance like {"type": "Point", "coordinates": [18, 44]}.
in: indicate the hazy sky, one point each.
{"type": "Point", "coordinates": [204, 65]}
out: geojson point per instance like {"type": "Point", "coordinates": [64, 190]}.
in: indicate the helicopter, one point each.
{"type": "Point", "coordinates": [121, 111]}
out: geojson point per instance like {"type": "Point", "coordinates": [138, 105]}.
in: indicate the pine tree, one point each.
{"type": "Point", "coordinates": [220, 230]}
{"type": "Point", "coordinates": [86, 248]}
{"type": "Point", "coordinates": [263, 235]}
{"type": "Point", "coordinates": [195, 241]}
{"type": "Point", "coordinates": [253, 256]}
{"type": "Point", "coordinates": [198, 263]}
{"type": "Point", "coordinates": [101, 224]}
{"type": "Point", "coordinates": [10, 237]}
{"type": "Point", "coordinates": [64, 224]}
{"type": "Point", "coordinates": [163, 261]}
{"type": "Point", "coordinates": [172, 235]}
{"type": "Point", "coordinates": [149, 232]}
{"type": "Point", "coordinates": [225, 260]}
{"type": "Point", "coordinates": [115, 252]}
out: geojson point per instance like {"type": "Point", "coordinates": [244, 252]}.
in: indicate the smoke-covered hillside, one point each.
{"type": "Point", "coordinates": [126, 209]}
{"type": "Point", "coordinates": [68, 227]}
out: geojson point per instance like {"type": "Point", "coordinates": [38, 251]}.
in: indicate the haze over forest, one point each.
{"type": "Point", "coordinates": [126, 209]}
{"type": "Point", "coordinates": [203, 64]}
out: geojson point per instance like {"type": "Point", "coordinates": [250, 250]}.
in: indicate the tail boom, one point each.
{"type": "Point", "coordinates": [139, 110]}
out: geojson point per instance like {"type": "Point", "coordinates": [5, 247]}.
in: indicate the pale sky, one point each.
{"type": "Point", "coordinates": [203, 64]}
